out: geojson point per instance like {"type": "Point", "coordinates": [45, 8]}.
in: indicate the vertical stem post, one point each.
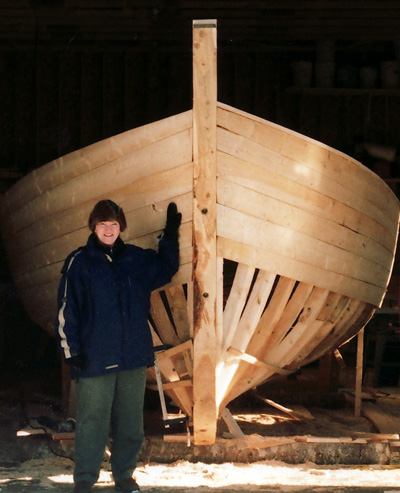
{"type": "Point", "coordinates": [205, 413]}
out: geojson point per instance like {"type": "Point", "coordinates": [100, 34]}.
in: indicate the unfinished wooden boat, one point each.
{"type": "Point", "coordinates": [287, 245]}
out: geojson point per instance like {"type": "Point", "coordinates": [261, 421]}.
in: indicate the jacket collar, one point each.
{"type": "Point", "coordinates": [96, 248]}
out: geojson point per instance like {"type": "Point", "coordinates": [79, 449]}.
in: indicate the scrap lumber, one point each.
{"type": "Point", "coordinates": [385, 423]}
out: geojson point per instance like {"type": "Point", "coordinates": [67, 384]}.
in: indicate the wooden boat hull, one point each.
{"type": "Point", "coordinates": [293, 250]}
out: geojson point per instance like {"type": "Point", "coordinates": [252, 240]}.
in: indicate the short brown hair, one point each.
{"type": "Point", "coordinates": [107, 210]}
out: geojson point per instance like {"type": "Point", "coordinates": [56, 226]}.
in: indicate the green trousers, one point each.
{"type": "Point", "coordinates": [109, 405]}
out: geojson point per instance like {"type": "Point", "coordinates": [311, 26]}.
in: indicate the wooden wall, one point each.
{"type": "Point", "coordinates": [75, 72]}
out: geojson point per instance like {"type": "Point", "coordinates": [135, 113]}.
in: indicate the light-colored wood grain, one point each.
{"type": "Point", "coordinates": [75, 164]}
{"type": "Point", "coordinates": [205, 410]}
{"type": "Point", "coordinates": [179, 311]}
{"type": "Point", "coordinates": [313, 234]}
{"type": "Point", "coordinates": [275, 262]}
{"type": "Point", "coordinates": [314, 156]}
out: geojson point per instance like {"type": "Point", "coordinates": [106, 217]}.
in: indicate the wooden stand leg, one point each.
{"type": "Point", "coordinates": [359, 373]}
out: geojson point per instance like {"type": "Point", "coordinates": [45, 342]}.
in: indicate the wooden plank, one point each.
{"type": "Point", "coordinates": [236, 302]}
{"type": "Point", "coordinates": [161, 156]}
{"type": "Point", "coordinates": [271, 315]}
{"type": "Point", "coordinates": [205, 411]}
{"type": "Point", "coordinates": [245, 329]}
{"type": "Point", "coordinates": [316, 156]}
{"type": "Point", "coordinates": [296, 246]}
{"type": "Point", "coordinates": [72, 165]}
{"type": "Point", "coordinates": [291, 313]}
{"type": "Point", "coordinates": [301, 336]}
{"type": "Point", "coordinates": [179, 311]}
{"type": "Point", "coordinates": [297, 341]}
{"type": "Point", "coordinates": [254, 309]}
{"type": "Point", "coordinates": [235, 196]}
{"type": "Point", "coordinates": [259, 174]}
{"type": "Point", "coordinates": [337, 304]}
{"type": "Point", "coordinates": [291, 412]}
{"type": "Point", "coordinates": [243, 377]}
{"type": "Point", "coordinates": [359, 373]}
{"type": "Point", "coordinates": [274, 262]}
{"type": "Point", "coordinates": [349, 318]}
{"type": "Point", "coordinates": [162, 322]}
{"type": "Point", "coordinates": [231, 423]}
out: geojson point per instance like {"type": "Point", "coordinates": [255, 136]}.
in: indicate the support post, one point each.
{"type": "Point", "coordinates": [205, 412]}
{"type": "Point", "coordinates": [359, 373]}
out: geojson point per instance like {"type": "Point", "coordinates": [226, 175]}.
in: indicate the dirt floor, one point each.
{"type": "Point", "coordinates": [35, 464]}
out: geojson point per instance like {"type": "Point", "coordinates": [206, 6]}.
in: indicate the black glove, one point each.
{"type": "Point", "coordinates": [77, 362]}
{"type": "Point", "coordinates": [174, 219]}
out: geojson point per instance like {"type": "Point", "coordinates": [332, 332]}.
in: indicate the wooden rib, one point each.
{"type": "Point", "coordinates": [330, 316]}
{"type": "Point", "coordinates": [236, 302]}
{"type": "Point", "coordinates": [299, 338]}
{"type": "Point", "coordinates": [255, 306]}
{"type": "Point", "coordinates": [291, 313]}
{"type": "Point", "coordinates": [303, 332]}
{"type": "Point", "coordinates": [242, 330]}
{"type": "Point", "coordinates": [346, 317]}
{"type": "Point", "coordinates": [353, 324]}
{"type": "Point", "coordinates": [219, 320]}
{"type": "Point", "coordinates": [179, 310]}
{"type": "Point", "coordinates": [364, 316]}
{"type": "Point", "coordinates": [162, 322]}
{"type": "Point", "coordinates": [273, 312]}
{"type": "Point", "coordinates": [155, 337]}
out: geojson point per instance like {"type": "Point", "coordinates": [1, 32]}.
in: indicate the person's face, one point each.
{"type": "Point", "coordinates": [107, 232]}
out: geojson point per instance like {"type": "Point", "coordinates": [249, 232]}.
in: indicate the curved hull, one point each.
{"type": "Point", "coordinates": [299, 255]}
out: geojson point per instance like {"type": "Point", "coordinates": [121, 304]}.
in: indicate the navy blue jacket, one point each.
{"type": "Point", "coordinates": [104, 303]}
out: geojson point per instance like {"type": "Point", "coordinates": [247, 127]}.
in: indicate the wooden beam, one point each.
{"type": "Point", "coordinates": [205, 410]}
{"type": "Point", "coordinates": [359, 373]}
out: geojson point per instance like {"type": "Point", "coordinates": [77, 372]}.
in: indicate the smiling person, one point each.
{"type": "Point", "coordinates": [102, 328]}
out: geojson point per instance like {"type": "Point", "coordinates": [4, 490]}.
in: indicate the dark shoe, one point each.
{"type": "Point", "coordinates": [83, 487]}
{"type": "Point", "coordinates": [128, 485]}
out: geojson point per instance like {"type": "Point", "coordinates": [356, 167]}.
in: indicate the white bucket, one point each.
{"type": "Point", "coordinates": [326, 50]}
{"type": "Point", "coordinates": [302, 73]}
{"type": "Point", "coordinates": [390, 74]}
{"type": "Point", "coordinates": [368, 77]}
